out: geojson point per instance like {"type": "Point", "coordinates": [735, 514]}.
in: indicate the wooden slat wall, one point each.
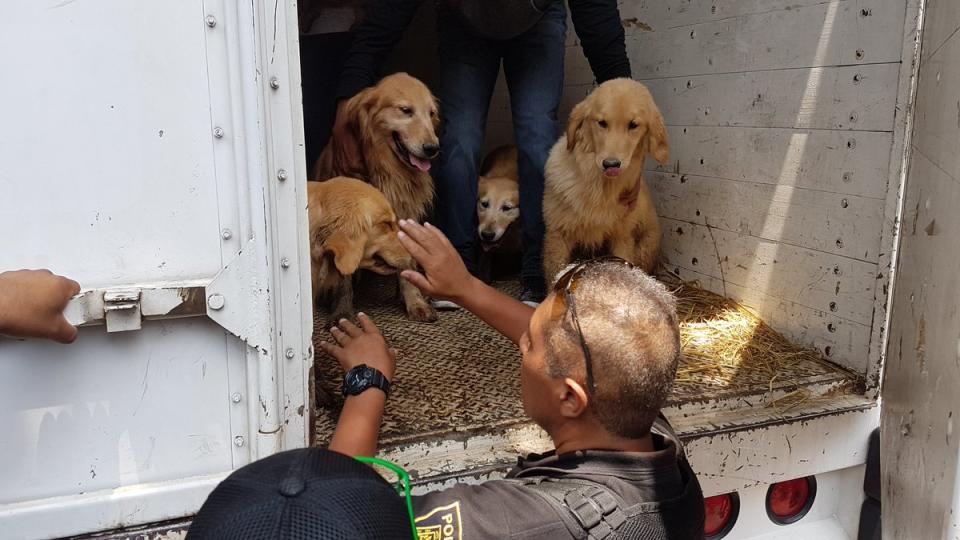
{"type": "Point", "coordinates": [781, 116]}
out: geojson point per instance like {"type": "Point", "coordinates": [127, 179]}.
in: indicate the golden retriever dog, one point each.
{"type": "Point", "coordinates": [395, 123]}
{"type": "Point", "coordinates": [595, 200]}
{"type": "Point", "coordinates": [352, 227]}
{"type": "Point", "coordinates": [498, 213]}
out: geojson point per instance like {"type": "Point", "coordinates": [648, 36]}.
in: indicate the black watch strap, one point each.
{"type": "Point", "coordinates": [362, 378]}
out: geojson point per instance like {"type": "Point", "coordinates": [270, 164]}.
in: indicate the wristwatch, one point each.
{"type": "Point", "coordinates": [364, 377]}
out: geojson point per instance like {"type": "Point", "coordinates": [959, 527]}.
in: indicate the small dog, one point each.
{"type": "Point", "coordinates": [498, 214]}
{"type": "Point", "coordinates": [595, 200]}
{"type": "Point", "coordinates": [395, 126]}
{"type": "Point", "coordinates": [352, 227]}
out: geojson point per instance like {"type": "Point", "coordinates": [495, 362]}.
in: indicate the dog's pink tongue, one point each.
{"type": "Point", "coordinates": [422, 164]}
{"type": "Point", "coordinates": [612, 171]}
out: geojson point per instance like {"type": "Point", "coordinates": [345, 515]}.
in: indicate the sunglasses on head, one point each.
{"type": "Point", "coordinates": [564, 288]}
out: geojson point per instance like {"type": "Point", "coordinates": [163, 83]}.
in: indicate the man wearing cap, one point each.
{"type": "Point", "coordinates": [599, 358]}
{"type": "Point", "coordinates": [475, 36]}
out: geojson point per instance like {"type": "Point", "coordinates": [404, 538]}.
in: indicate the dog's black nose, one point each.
{"type": "Point", "coordinates": [487, 236]}
{"type": "Point", "coordinates": [611, 163]}
{"type": "Point", "coordinates": [431, 150]}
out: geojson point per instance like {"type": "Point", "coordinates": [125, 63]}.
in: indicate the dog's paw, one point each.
{"type": "Point", "coordinates": [422, 312]}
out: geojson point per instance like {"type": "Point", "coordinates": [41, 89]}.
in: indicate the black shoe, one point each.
{"type": "Point", "coordinates": [533, 295]}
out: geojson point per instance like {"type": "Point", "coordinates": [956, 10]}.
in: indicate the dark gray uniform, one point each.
{"type": "Point", "coordinates": [584, 495]}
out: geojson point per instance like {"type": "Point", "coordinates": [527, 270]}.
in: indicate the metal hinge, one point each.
{"type": "Point", "coordinates": [235, 299]}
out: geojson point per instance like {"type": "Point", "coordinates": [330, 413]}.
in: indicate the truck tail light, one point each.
{"type": "Point", "coordinates": [789, 501]}
{"type": "Point", "coordinates": [720, 512]}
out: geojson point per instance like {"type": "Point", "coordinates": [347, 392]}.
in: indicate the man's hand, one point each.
{"type": "Point", "coordinates": [32, 303]}
{"type": "Point", "coordinates": [444, 274]}
{"type": "Point", "coordinates": [345, 138]}
{"type": "Point", "coordinates": [361, 345]}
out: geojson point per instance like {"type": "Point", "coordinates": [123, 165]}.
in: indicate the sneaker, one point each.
{"type": "Point", "coordinates": [444, 305]}
{"type": "Point", "coordinates": [532, 296]}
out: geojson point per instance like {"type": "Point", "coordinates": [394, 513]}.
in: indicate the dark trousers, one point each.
{"type": "Point", "coordinates": [321, 61]}
{"type": "Point", "coordinates": [533, 67]}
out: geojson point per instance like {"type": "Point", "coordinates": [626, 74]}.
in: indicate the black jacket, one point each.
{"type": "Point", "coordinates": [657, 495]}
{"type": "Point", "coordinates": [597, 23]}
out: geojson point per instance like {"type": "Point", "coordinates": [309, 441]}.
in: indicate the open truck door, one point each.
{"type": "Point", "coordinates": [919, 397]}
{"type": "Point", "coordinates": [169, 181]}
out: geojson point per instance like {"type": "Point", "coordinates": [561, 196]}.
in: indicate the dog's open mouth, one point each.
{"type": "Point", "coordinates": [611, 171]}
{"type": "Point", "coordinates": [381, 266]}
{"type": "Point", "coordinates": [408, 157]}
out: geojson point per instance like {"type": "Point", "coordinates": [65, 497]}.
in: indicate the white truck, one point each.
{"type": "Point", "coordinates": [153, 151]}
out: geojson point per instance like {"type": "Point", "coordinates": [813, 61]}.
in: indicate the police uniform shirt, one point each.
{"type": "Point", "coordinates": [657, 496]}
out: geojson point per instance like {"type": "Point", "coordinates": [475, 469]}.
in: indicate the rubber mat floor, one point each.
{"type": "Point", "coordinates": [458, 375]}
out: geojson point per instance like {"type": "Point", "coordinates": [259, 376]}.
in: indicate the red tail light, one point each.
{"type": "Point", "coordinates": [720, 512]}
{"type": "Point", "coordinates": [789, 501]}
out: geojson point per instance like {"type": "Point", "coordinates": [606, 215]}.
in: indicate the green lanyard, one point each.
{"type": "Point", "coordinates": [402, 487]}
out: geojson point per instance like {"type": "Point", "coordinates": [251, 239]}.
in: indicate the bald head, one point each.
{"type": "Point", "coordinates": [629, 323]}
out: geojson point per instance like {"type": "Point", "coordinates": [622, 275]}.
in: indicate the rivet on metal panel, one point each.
{"type": "Point", "coordinates": [226, 234]}
{"type": "Point", "coordinates": [833, 306]}
{"type": "Point", "coordinates": [857, 78]}
{"type": "Point", "coordinates": [236, 397]}
{"type": "Point", "coordinates": [289, 354]}
{"type": "Point", "coordinates": [274, 83]}
{"type": "Point", "coordinates": [211, 21]}
{"type": "Point", "coordinates": [216, 301]}
{"type": "Point", "coordinates": [851, 144]}
{"type": "Point", "coordinates": [831, 328]}
{"type": "Point", "coordinates": [285, 262]}
{"type": "Point", "coordinates": [282, 175]}
{"type": "Point", "coordinates": [238, 440]}
{"type": "Point", "coordinates": [218, 132]}
{"type": "Point", "coordinates": [828, 350]}
{"type": "Point", "coordinates": [844, 203]}
{"type": "Point", "coordinates": [839, 242]}
{"type": "Point", "coordinates": [854, 117]}
{"type": "Point", "coordinates": [860, 54]}
{"type": "Point", "coordinates": [837, 271]}
{"type": "Point", "coordinates": [847, 176]}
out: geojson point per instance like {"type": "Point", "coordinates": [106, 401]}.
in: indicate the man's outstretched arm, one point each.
{"type": "Point", "coordinates": [358, 428]}
{"type": "Point", "coordinates": [445, 277]}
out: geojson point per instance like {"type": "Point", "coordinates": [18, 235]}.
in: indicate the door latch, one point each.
{"type": "Point", "coordinates": [121, 310]}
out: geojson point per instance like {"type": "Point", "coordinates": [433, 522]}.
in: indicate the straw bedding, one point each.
{"type": "Point", "coordinates": [458, 375]}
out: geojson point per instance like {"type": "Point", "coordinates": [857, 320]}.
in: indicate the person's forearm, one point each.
{"type": "Point", "coordinates": [377, 34]}
{"type": "Point", "coordinates": [601, 34]}
{"type": "Point", "coordinates": [358, 428]}
{"type": "Point", "coordinates": [506, 315]}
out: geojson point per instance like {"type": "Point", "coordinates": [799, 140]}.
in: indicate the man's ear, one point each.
{"type": "Point", "coordinates": [657, 136]}
{"type": "Point", "coordinates": [574, 401]}
{"type": "Point", "coordinates": [347, 252]}
{"type": "Point", "coordinates": [577, 116]}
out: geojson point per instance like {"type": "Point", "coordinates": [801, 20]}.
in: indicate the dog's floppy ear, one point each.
{"type": "Point", "coordinates": [347, 252]}
{"type": "Point", "coordinates": [359, 108]}
{"type": "Point", "coordinates": [657, 143]}
{"type": "Point", "coordinates": [577, 116]}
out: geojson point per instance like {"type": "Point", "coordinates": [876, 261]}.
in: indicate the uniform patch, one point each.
{"type": "Point", "coordinates": [441, 523]}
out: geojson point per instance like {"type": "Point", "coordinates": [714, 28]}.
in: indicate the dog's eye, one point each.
{"type": "Point", "coordinates": [506, 208]}
{"type": "Point", "coordinates": [602, 123]}
{"type": "Point", "coordinates": [484, 204]}
{"type": "Point", "coordinates": [632, 125]}
{"type": "Point", "coordinates": [406, 110]}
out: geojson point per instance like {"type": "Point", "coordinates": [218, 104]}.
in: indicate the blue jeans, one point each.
{"type": "Point", "coordinates": [469, 65]}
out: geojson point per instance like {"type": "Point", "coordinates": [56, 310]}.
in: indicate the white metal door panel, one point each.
{"type": "Point", "coordinates": [106, 144]}
{"type": "Point", "coordinates": [149, 146]}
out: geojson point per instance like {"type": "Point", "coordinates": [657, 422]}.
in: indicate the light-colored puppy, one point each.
{"type": "Point", "coordinates": [498, 213]}
{"type": "Point", "coordinates": [595, 199]}
{"type": "Point", "coordinates": [395, 126]}
{"type": "Point", "coordinates": [352, 228]}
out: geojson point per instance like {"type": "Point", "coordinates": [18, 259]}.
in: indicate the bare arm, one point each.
{"type": "Point", "coordinates": [445, 276]}
{"type": "Point", "coordinates": [32, 304]}
{"type": "Point", "coordinates": [358, 428]}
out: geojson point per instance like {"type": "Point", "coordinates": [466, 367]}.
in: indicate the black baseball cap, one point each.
{"type": "Point", "coordinates": [308, 493]}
